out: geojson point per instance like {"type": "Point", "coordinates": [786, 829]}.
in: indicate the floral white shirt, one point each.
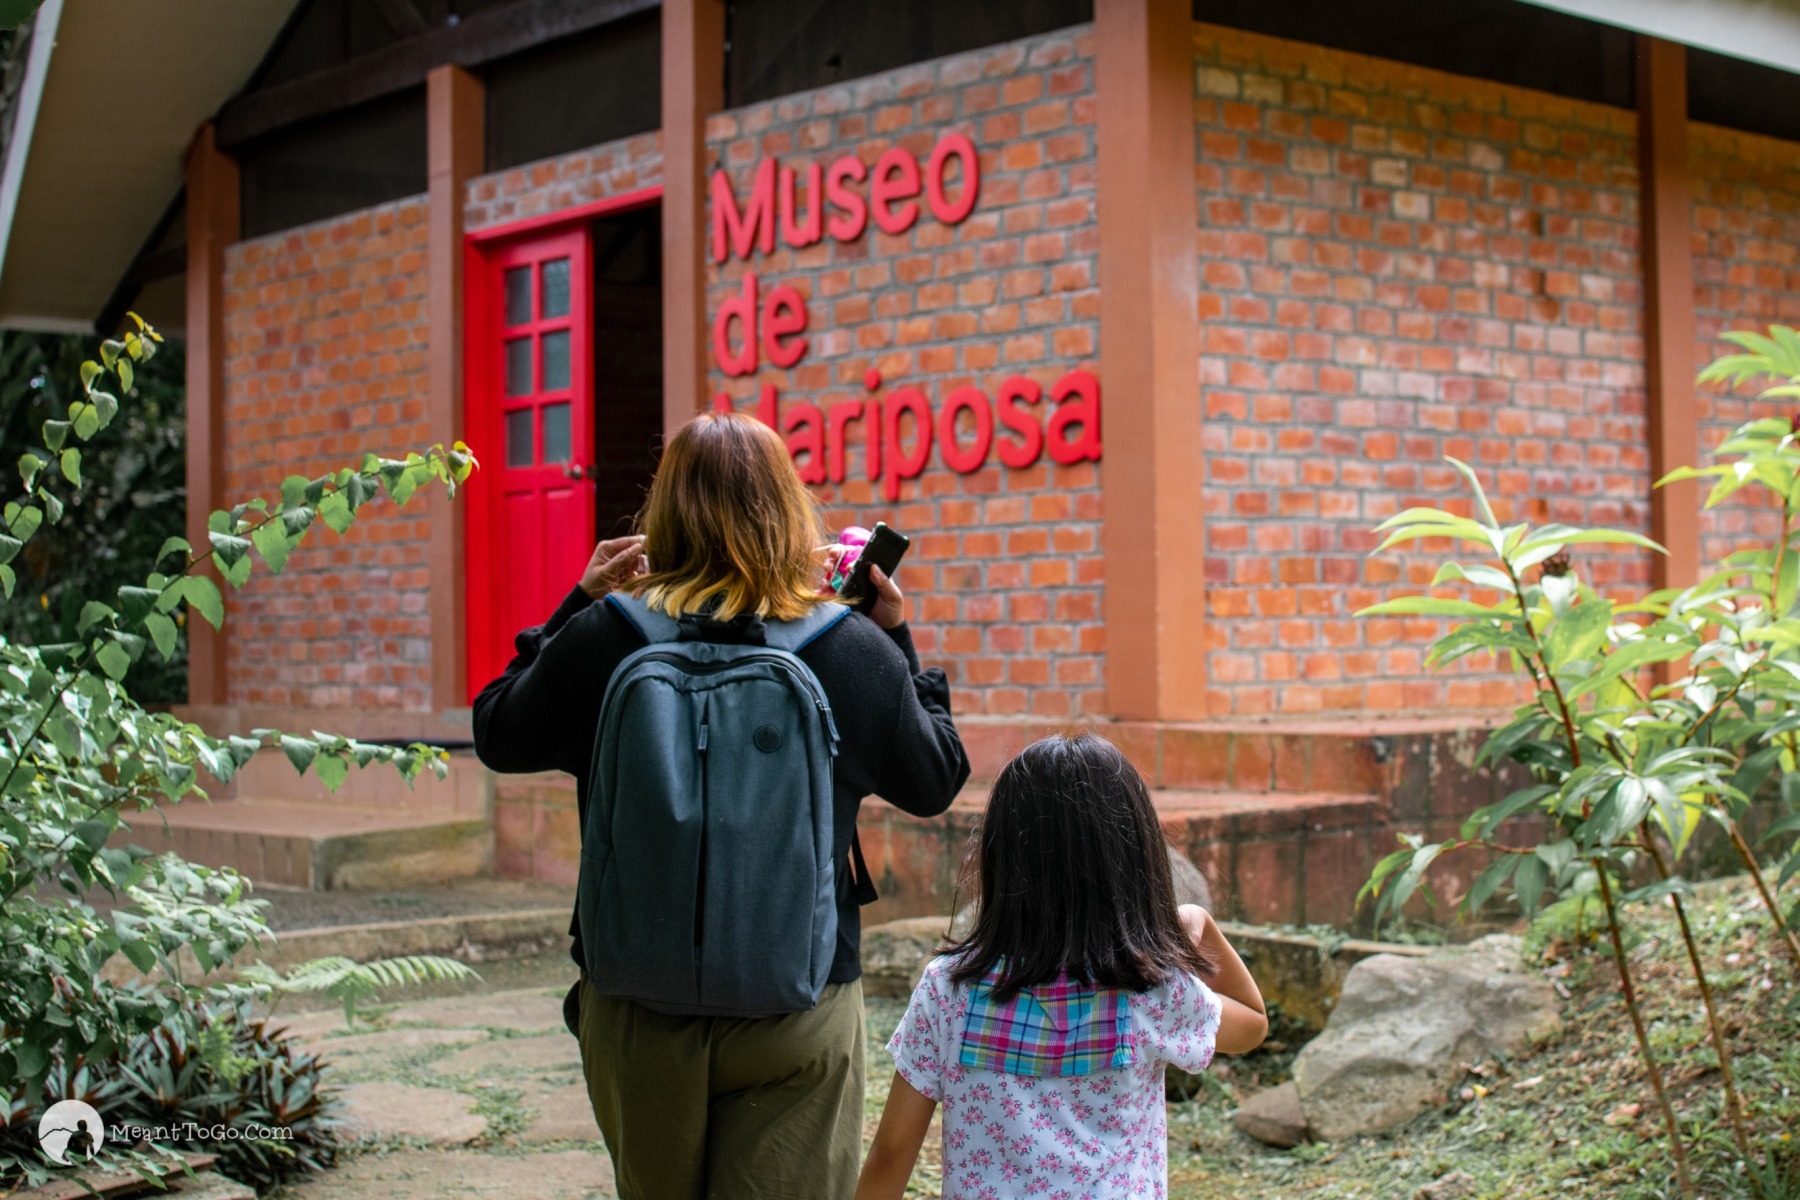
{"type": "Point", "coordinates": [1073, 1137]}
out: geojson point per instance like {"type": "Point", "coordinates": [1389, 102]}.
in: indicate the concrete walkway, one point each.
{"type": "Point", "coordinates": [476, 1095]}
{"type": "Point", "coordinates": [480, 1094]}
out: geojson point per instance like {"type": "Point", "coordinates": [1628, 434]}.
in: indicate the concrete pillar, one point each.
{"type": "Point", "coordinates": [212, 225]}
{"type": "Point", "coordinates": [1153, 532]}
{"type": "Point", "coordinates": [455, 135]}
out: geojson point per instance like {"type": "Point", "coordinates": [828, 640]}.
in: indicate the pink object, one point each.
{"type": "Point", "coordinates": [855, 537]}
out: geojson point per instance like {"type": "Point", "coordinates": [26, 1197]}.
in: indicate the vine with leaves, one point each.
{"type": "Point", "coordinates": [80, 760]}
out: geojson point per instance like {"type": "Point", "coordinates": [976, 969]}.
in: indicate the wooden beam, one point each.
{"type": "Point", "coordinates": [1152, 532]}
{"type": "Point", "coordinates": [693, 88]}
{"type": "Point", "coordinates": [402, 16]}
{"type": "Point", "coordinates": [490, 34]}
{"type": "Point", "coordinates": [1666, 213]}
{"type": "Point", "coordinates": [212, 225]}
{"type": "Point", "coordinates": [455, 116]}
{"type": "Point", "coordinates": [147, 266]}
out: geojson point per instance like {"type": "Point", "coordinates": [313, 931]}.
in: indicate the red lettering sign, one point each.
{"type": "Point", "coordinates": [899, 430]}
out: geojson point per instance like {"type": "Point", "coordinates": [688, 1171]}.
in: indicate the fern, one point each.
{"type": "Point", "coordinates": [351, 983]}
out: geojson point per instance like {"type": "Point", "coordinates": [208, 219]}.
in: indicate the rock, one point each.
{"type": "Point", "coordinates": [503, 1056]}
{"type": "Point", "coordinates": [1273, 1117]}
{"type": "Point", "coordinates": [894, 954]}
{"type": "Point", "coordinates": [563, 1114]}
{"type": "Point", "coordinates": [1404, 1027]}
{"type": "Point", "coordinates": [1457, 1185]}
{"type": "Point", "coordinates": [528, 1010]}
{"type": "Point", "coordinates": [436, 1116]}
{"type": "Point", "coordinates": [1190, 882]}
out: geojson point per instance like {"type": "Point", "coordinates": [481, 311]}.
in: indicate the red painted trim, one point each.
{"type": "Point", "coordinates": [548, 222]}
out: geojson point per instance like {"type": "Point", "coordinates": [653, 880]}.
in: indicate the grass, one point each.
{"type": "Point", "coordinates": [1572, 1118]}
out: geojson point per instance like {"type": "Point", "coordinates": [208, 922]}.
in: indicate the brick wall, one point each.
{"type": "Point", "coordinates": [553, 184]}
{"type": "Point", "coordinates": [1398, 265]}
{"type": "Point", "coordinates": [1746, 192]}
{"type": "Point", "coordinates": [325, 338]}
{"type": "Point", "coordinates": [1005, 571]}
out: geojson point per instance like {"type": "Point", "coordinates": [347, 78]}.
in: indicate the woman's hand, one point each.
{"type": "Point", "coordinates": [890, 602]}
{"type": "Point", "coordinates": [615, 562]}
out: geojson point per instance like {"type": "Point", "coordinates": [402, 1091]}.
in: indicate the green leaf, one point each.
{"type": "Point", "coordinates": [141, 954]}
{"type": "Point", "coordinates": [331, 770]}
{"type": "Point", "coordinates": [9, 579]}
{"type": "Point", "coordinates": [238, 573]}
{"type": "Point", "coordinates": [228, 547]}
{"type": "Point", "coordinates": [92, 613]}
{"type": "Point", "coordinates": [90, 371]}
{"type": "Point", "coordinates": [173, 545]}
{"type": "Point", "coordinates": [70, 462]}
{"type": "Point", "coordinates": [271, 541]}
{"type": "Point", "coordinates": [202, 596]}
{"type": "Point", "coordinates": [136, 602]}
{"type": "Point", "coordinates": [1627, 659]}
{"type": "Point", "coordinates": [125, 374]}
{"type": "Point", "coordinates": [114, 659]}
{"type": "Point", "coordinates": [29, 466]}
{"type": "Point", "coordinates": [55, 434]}
{"type": "Point", "coordinates": [162, 632]}
{"type": "Point", "coordinates": [335, 511]}
{"type": "Point", "coordinates": [106, 407]}
{"type": "Point", "coordinates": [1575, 635]}
{"type": "Point", "coordinates": [1528, 882]}
{"type": "Point", "coordinates": [300, 751]}
{"type": "Point", "coordinates": [1432, 606]}
{"type": "Point", "coordinates": [86, 419]}
{"type": "Point", "coordinates": [1490, 881]}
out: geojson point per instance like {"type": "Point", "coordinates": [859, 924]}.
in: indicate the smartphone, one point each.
{"type": "Point", "coordinates": [885, 550]}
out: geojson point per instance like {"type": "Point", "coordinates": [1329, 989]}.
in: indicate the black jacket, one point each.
{"type": "Point", "coordinates": [898, 740]}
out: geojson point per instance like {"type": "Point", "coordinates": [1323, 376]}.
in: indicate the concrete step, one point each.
{"type": "Point", "coordinates": [321, 847]}
{"type": "Point", "coordinates": [1372, 755]}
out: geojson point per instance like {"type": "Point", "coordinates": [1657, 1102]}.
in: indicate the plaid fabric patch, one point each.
{"type": "Point", "coordinates": [1060, 1028]}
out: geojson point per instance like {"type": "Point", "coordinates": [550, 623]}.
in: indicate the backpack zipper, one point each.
{"type": "Point", "coordinates": [689, 667]}
{"type": "Point", "coordinates": [700, 888]}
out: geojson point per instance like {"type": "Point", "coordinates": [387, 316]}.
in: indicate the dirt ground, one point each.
{"type": "Point", "coordinates": [471, 1093]}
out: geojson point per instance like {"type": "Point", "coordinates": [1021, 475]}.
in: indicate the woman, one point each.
{"type": "Point", "coordinates": [695, 1107]}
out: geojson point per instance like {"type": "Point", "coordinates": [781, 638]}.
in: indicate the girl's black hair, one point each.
{"type": "Point", "coordinates": [1074, 876]}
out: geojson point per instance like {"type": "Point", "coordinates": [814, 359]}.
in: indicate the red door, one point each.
{"type": "Point", "coordinates": [531, 395]}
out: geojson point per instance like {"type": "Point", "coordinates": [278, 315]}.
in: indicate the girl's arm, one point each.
{"type": "Point", "coordinates": [897, 1141]}
{"type": "Point", "coordinates": [1244, 1023]}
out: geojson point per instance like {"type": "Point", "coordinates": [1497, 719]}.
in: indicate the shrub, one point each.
{"type": "Point", "coordinates": [1645, 719]}
{"type": "Point", "coordinates": [80, 758]}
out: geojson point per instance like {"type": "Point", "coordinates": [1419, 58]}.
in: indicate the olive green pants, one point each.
{"type": "Point", "coordinates": [716, 1108]}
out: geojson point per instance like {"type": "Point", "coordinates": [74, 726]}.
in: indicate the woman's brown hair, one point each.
{"type": "Point", "coordinates": [728, 526]}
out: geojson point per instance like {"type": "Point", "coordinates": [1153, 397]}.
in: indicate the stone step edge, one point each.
{"type": "Point", "coordinates": [468, 937]}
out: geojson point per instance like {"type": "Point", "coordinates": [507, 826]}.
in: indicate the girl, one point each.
{"type": "Point", "coordinates": [1045, 1032]}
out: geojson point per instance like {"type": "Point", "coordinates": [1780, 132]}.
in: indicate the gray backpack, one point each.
{"type": "Point", "coordinates": [707, 883]}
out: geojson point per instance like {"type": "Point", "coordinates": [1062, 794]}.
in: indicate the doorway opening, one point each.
{"type": "Point", "coordinates": [628, 364]}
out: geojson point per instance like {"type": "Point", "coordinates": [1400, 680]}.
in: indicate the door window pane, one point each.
{"type": "Point", "coordinates": [556, 433]}
{"type": "Point", "coordinates": [518, 367]}
{"type": "Point", "coordinates": [518, 295]}
{"type": "Point", "coordinates": [519, 450]}
{"type": "Point", "coordinates": [554, 301]}
{"type": "Point", "coordinates": [556, 360]}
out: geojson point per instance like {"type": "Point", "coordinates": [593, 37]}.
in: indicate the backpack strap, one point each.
{"type": "Point", "coordinates": [652, 626]}
{"type": "Point", "coordinates": [794, 636]}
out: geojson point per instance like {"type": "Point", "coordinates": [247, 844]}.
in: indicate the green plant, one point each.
{"type": "Point", "coordinates": [1644, 720]}
{"type": "Point", "coordinates": [80, 759]}
{"type": "Point", "coordinates": [217, 1064]}
{"type": "Point", "coordinates": [351, 983]}
{"type": "Point", "coordinates": [134, 474]}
